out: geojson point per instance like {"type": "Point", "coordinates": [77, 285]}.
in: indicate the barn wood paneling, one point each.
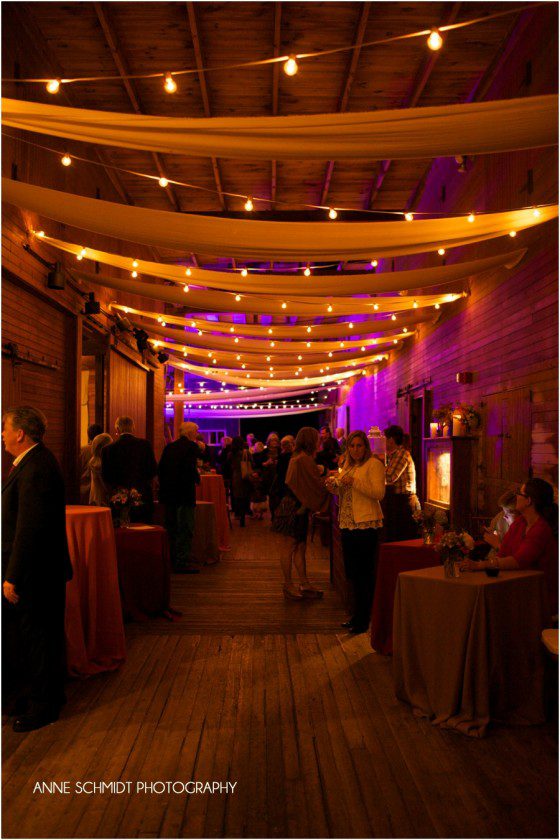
{"type": "Point", "coordinates": [128, 388]}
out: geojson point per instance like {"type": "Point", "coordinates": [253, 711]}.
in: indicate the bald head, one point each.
{"type": "Point", "coordinates": [188, 430]}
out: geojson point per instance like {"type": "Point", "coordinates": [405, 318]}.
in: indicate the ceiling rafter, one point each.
{"type": "Point", "coordinates": [204, 93]}
{"type": "Point", "coordinates": [275, 94]}
{"type": "Point", "coordinates": [411, 100]}
{"type": "Point", "coordinates": [345, 95]}
{"type": "Point", "coordinates": [482, 86]}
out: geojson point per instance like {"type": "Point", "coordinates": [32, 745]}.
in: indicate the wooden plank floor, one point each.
{"type": "Point", "coordinates": [271, 695]}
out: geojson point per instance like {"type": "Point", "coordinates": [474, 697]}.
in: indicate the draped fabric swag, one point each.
{"type": "Point", "coordinates": [242, 238]}
{"type": "Point", "coordinates": [468, 129]}
{"type": "Point", "coordinates": [318, 285]}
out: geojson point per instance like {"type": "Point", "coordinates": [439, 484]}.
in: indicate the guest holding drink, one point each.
{"type": "Point", "coordinates": [531, 541]}
{"type": "Point", "coordinates": [360, 487]}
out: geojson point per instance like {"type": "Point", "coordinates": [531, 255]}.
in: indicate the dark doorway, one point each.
{"type": "Point", "coordinates": [417, 438]}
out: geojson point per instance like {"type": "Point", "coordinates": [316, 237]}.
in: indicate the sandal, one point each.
{"type": "Point", "coordinates": [292, 594]}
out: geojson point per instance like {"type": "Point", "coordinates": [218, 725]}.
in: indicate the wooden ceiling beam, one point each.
{"type": "Point", "coordinates": [204, 93]}
{"type": "Point", "coordinates": [345, 94]}
{"type": "Point", "coordinates": [411, 100]}
{"type": "Point", "coordinates": [482, 86]}
{"type": "Point", "coordinates": [123, 71]}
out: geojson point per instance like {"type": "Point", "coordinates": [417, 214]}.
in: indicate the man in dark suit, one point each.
{"type": "Point", "coordinates": [130, 463]}
{"type": "Point", "coordinates": [35, 565]}
{"type": "Point", "coordinates": [178, 477]}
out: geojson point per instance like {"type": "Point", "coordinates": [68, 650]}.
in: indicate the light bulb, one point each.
{"type": "Point", "coordinates": [163, 323]}
{"type": "Point", "coordinates": [170, 84]}
{"type": "Point", "coordinates": [134, 274]}
{"type": "Point", "coordinates": [309, 344]}
{"type": "Point", "coordinates": [329, 308]}
{"type": "Point", "coordinates": [405, 329]}
{"type": "Point", "coordinates": [284, 305]}
{"type": "Point", "coordinates": [470, 218]}
{"type": "Point", "coordinates": [436, 306]}
{"type": "Point", "coordinates": [376, 306]}
{"type": "Point", "coordinates": [271, 368]}
{"type": "Point", "coordinates": [513, 233]}
{"type": "Point", "coordinates": [409, 217]}
{"type": "Point", "coordinates": [536, 212]}
{"type": "Point", "coordinates": [350, 326]}
{"type": "Point", "coordinates": [307, 271]}
{"type": "Point", "coordinates": [290, 66]}
{"type": "Point", "coordinates": [231, 329]}
{"type": "Point", "coordinates": [237, 298]}
{"type": "Point", "coordinates": [200, 332]}
{"type": "Point", "coordinates": [40, 234]}
{"type": "Point", "coordinates": [415, 304]}
{"type": "Point", "coordinates": [435, 41]}
{"type": "Point", "coordinates": [185, 288]}
{"type": "Point", "coordinates": [272, 344]}
{"type": "Point", "coordinates": [330, 355]}
{"type": "Point", "coordinates": [163, 182]}
{"type": "Point", "coordinates": [185, 354]}
{"type": "Point", "coordinates": [53, 86]}
{"type": "Point", "coordinates": [134, 263]}
{"type": "Point", "coordinates": [441, 251]}
{"type": "Point", "coordinates": [300, 358]}
{"type": "Point", "coordinates": [268, 358]}
{"type": "Point", "coordinates": [249, 204]}
{"type": "Point", "coordinates": [308, 329]}
{"type": "Point", "coordinates": [244, 272]}
{"type": "Point", "coordinates": [395, 341]}
{"type": "Point", "coordinates": [188, 272]}
{"type": "Point", "coordinates": [332, 213]}
{"type": "Point", "coordinates": [66, 160]}
{"type": "Point", "coordinates": [79, 256]}
{"type": "Point", "coordinates": [236, 340]}
{"type": "Point", "coordinates": [238, 357]}
{"type": "Point", "coordinates": [393, 317]}
{"type": "Point", "coordinates": [214, 361]}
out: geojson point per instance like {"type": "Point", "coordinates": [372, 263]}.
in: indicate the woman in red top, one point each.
{"type": "Point", "coordinates": [531, 541]}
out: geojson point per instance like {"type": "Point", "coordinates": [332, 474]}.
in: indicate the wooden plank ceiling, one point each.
{"type": "Point", "coordinates": [90, 39]}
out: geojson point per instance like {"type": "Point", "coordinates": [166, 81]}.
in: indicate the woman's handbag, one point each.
{"type": "Point", "coordinates": [285, 516]}
{"type": "Point", "coordinates": [246, 468]}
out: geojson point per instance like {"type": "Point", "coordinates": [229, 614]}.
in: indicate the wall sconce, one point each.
{"type": "Point", "coordinates": [464, 377]}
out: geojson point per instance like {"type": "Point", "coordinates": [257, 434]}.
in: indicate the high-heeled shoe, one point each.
{"type": "Point", "coordinates": [292, 594]}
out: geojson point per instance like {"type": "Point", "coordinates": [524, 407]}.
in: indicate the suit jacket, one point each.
{"type": "Point", "coordinates": [34, 548]}
{"type": "Point", "coordinates": [128, 463]}
{"type": "Point", "coordinates": [178, 473]}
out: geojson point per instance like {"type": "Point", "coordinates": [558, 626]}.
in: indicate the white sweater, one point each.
{"type": "Point", "coordinates": [367, 491]}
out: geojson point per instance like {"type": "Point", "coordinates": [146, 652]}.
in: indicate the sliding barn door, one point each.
{"type": "Point", "coordinates": [507, 443]}
{"type": "Point", "coordinates": [128, 392]}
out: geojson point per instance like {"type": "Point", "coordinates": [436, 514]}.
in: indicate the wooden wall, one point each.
{"type": "Point", "coordinates": [505, 332]}
{"type": "Point", "coordinates": [128, 390]}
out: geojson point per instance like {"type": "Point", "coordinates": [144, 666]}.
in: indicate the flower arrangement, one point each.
{"type": "Point", "coordinates": [452, 547]}
{"type": "Point", "coordinates": [469, 414]}
{"type": "Point", "coordinates": [122, 501]}
{"type": "Point", "coordinates": [443, 415]}
{"type": "Point", "coordinates": [430, 517]}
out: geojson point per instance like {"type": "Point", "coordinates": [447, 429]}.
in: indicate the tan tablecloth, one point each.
{"type": "Point", "coordinates": [205, 547]}
{"type": "Point", "coordinates": [467, 650]}
{"type": "Point", "coordinates": [212, 489]}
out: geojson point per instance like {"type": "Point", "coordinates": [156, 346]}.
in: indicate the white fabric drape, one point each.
{"type": "Point", "coordinates": [266, 240]}
{"type": "Point", "coordinates": [314, 286]}
{"type": "Point", "coordinates": [473, 128]}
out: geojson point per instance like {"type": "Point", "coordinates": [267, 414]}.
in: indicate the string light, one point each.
{"type": "Point", "coordinates": [40, 234]}
{"type": "Point", "coordinates": [163, 182]}
{"type": "Point", "coordinates": [308, 329]}
{"type": "Point", "coordinates": [415, 305]}
{"type": "Point", "coordinates": [244, 272]}
{"type": "Point", "coordinates": [134, 263]}
{"type": "Point", "coordinates": [291, 66]}
{"type": "Point", "coordinates": [188, 272]}
{"type": "Point", "coordinates": [66, 160]}
{"type": "Point", "coordinates": [270, 331]}
{"type": "Point", "coordinates": [237, 298]}
{"type": "Point", "coordinates": [284, 305]}
{"type": "Point", "coordinates": [435, 41]}
{"type": "Point", "coordinates": [513, 233]}
{"type": "Point", "coordinates": [536, 212]}
{"type": "Point", "coordinates": [329, 308]}
{"type": "Point", "coordinates": [332, 213]}
{"type": "Point", "coordinates": [393, 317]}
{"type": "Point", "coordinates": [395, 341]}
{"type": "Point", "coordinates": [441, 251]}
{"type": "Point", "coordinates": [470, 218]}
{"type": "Point", "coordinates": [307, 271]}
{"type": "Point", "coordinates": [249, 204]}
{"type": "Point", "coordinates": [236, 340]}
{"type": "Point", "coordinates": [170, 84]}
{"type": "Point", "coordinates": [409, 217]}
{"type": "Point", "coordinates": [53, 86]}
{"type": "Point", "coordinates": [376, 306]}
{"type": "Point", "coordinates": [134, 274]}
{"type": "Point", "coordinates": [185, 288]}
{"type": "Point", "coordinates": [351, 326]}
{"type": "Point", "coordinates": [373, 263]}
{"type": "Point", "coordinates": [436, 306]}
{"type": "Point", "coordinates": [231, 329]}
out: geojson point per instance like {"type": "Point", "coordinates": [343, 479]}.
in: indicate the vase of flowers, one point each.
{"type": "Point", "coordinates": [452, 548]}
{"type": "Point", "coordinates": [468, 417]}
{"type": "Point", "coordinates": [432, 520]}
{"type": "Point", "coordinates": [122, 502]}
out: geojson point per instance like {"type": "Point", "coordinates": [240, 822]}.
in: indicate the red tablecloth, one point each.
{"type": "Point", "coordinates": [212, 489]}
{"type": "Point", "coordinates": [394, 558]}
{"type": "Point", "coordinates": [94, 627]}
{"type": "Point", "coordinates": [144, 570]}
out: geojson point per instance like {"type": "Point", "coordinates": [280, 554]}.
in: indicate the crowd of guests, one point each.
{"type": "Point", "coordinates": [292, 477]}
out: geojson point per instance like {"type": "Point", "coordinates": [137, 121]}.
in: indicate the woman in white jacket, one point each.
{"type": "Point", "coordinates": [360, 487]}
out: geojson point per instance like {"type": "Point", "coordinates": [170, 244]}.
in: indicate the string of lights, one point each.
{"type": "Point", "coordinates": [290, 64]}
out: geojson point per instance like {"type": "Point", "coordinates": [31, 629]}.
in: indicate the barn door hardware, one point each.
{"type": "Point", "coordinates": [11, 350]}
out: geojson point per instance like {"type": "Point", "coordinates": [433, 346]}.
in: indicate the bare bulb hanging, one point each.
{"type": "Point", "coordinates": [435, 41]}
{"type": "Point", "coordinates": [332, 213]}
{"type": "Point", "coordinates": [170, 84]}
{"type": "Point", "coordinates": [409, 217]}
{"type": "Point", "coordinates": [53, 86]}
{"type": "Point", "coordinates": [249, 204]}
{"type": "Point", "coordinates": [291, 66]}
{"type": "Point", "coordinates": [66, 160]}
{"type": "Point", "coordinates": [163, 182]}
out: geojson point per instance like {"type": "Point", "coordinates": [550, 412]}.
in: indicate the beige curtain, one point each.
{"type": "Point", "coordinates": [313, 286]}
{"type": "Point", "coordinates": [369, 326]}
{"type": "Point", "coordinates": [469, 129]}
{"type": "Point", "coordinates": [243, 238]}
{"type": "Point", "coordinates": [264, 304]}
{"type": "Point", "coordinates": [240, 396]}
{"type": "Point", "coordinates": [272, 380]}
